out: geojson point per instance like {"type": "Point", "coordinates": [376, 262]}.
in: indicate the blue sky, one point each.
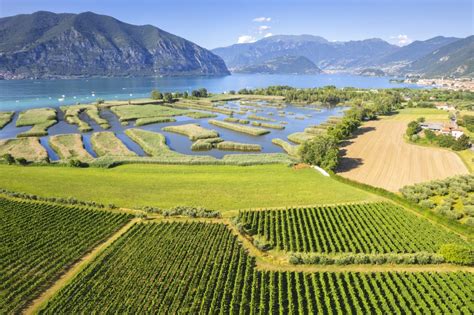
{"type": "Point", "coordinates": [212, 23]}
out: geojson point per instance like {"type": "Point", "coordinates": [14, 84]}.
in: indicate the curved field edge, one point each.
{"type": "Point", "coordinates": [214, 187]}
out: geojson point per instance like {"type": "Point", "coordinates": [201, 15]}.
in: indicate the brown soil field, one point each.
{"type": "Point", "coordinates": [380, 156]}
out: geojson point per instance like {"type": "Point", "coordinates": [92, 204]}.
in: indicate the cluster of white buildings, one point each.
{"type": "Point", "coordinates": [444, 129]}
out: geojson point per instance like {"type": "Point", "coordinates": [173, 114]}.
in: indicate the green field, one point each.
{"type": "Point", "coordinates": [363, 228]}
{"type": "Point", "coordinates": [39, 241]}
{"type": "Point", "coordinates": [215, 187]}
{"type": "Point", "coordinates": [200, 268]}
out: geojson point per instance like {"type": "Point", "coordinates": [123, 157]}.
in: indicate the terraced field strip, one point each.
{"type": "Point", "coordinates": [379, 156]}
{"type": "Point", "coordinates": [42, 240]}
{"type": "Point", "coordinates": [356, 228]}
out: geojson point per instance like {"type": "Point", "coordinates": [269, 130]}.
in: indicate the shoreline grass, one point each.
{"type": "Point", "coordinates": [133, 112]}
{"type": "Point", "coordinates": [300, 137]}
{"type": "Point", "coordinates": [236, 146]}
{"type": "Point", "coordinates": [39, 118]}
{"type": "Point", "coordinates": [192, 131]}
{"type": "Point", "coordinates": [254, 131]}
{"type": "Point", "coordinates": [286, 146]}
{"type": "Point", "coordinates": [5, 118]}
{"type": "Point", "coordinates": [153, 120]}
{"type": "Point", "coordinates": [267, 125]}
{"type": "Point", "coordinates": [28, 148]}
{"type": "Point", "coordinates": [69, 146]}
{"type": "Point", "coordinates": [106, 143]}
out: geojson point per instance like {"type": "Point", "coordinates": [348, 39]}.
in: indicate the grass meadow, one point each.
{"type": "Point", "coordinates": [212, 186]}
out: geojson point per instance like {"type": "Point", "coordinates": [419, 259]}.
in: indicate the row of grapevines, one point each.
{"type": "Point", "coordinates": [357, 228]}
{"type": "Point", "coordinates": [40, 240]}
{"type": "Point", "coordinates": [362, 293]}
{"type": "Point", "coordinates": [162, 268]}
{"type": "Point", "coordinates": [194, 268]}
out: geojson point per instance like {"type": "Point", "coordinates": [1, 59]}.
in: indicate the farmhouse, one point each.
{"type": "Point", "coordinates": [446, 129]}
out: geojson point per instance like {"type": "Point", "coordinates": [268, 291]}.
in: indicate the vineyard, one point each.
{"type": "Point", "coordinates": [201, 268]}
{"type": "Point", "coordinates": [39, 241]}
{"type": "Point", "coordinates": [356, 228]}
{"type": "Point", "coordinates": [162, 268]}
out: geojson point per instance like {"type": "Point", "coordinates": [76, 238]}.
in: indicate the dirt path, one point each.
{"type": "Point", "coordinates": [75, 269]}
{"type": "Point", "coordinates": [380, 156]}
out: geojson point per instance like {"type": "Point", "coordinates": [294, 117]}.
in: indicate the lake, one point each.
{"type": "Point", "coordinates": [22, 94]}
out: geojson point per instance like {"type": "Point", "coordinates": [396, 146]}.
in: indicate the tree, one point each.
{"type": "Point", "coordinates": [446, 141]}
{"type": "Point", "coordinates": [156, 95]}
{"type": "Point", "coordinates": [9, 158]}
{"type": "Point", "coordinates": [185, 94]}
{"type": "Point", "coordinates": [168, 97]}
{"type": "Point", "coordinates": [22, 161]}
{"type": "Point", "coordinates": [462, 143]}
{"type": "Point", "coordinates": [413, 128]}
{"type": "Point", "coordinates": [429, 135]}
{"type": "Point", "coordinates": [321, 151]}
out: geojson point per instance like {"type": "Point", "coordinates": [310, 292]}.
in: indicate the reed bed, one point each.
{"type": "Point", "coordinates": [254, 131]}
{"type": "Point", "coordinates": [106, 143]}
{"type": "Point", "coordinates": [69, 147]}
{"type": "Point", "coordinates": [237, 120]}
{"type": "Point", "coordinates": [153, 120]}
{"type": "Point", "coordinates": [39, 118]}
{"type": "Point", "coordinates": [5, 118]}
{"type": "Point", "coordinates": [205, 144]}
{"type": "Point", "coordinates": [192, 131]}
{"type": "Point", "coordinates": [300, 137]}
{"type": "Point", "coordinates": [236, 146]}
{"type": "Point", "coordinates": [255, 117]}
{"type": "Point", "coordinates": [286, 146]}
{"type": "Point", "coordinates": [267, 125]}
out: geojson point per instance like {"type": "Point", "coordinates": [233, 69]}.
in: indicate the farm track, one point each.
{"type": "Point", "coordinates": [35, 306]}
{"type": "Point", "coordinates": [380, 156]}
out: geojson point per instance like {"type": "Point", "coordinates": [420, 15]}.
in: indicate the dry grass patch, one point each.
{"type": "Point", "coordinates": [69, 147]}
{"type": "Point", "coordinates": [236, 146]}
{"type": "Point", "coordinates": [40, 118]}
{"type": "Point", "coordinates": [106, 143]}
{"type": "Point", "coordinates": [286, 146]}
{"type": "Point", "coordinates": [29, 149]}
{"type": "Point", "coordinates": [5, 118]}
{"type": "Point", "coordinates": [379, 156]}
{"type": "Point", "coordinates": [300, 137]}
{"type": "Point", "coordinates": [254, 131]}
{"type": "Point", "coordinates": [192, 131]}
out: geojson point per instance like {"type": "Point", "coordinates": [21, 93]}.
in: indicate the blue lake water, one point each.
{"type": "Point", "coordinates": [22, 94]}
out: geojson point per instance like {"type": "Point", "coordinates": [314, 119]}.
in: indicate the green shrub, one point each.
{"type": "Point", "coordinates": [322, 151]}
{"type": "Point", "coordinates": [457, 254]}
{"type": "Point", "coordinates": [9, 159]}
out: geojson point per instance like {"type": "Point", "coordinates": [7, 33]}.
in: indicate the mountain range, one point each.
{"type": "Point", "coordinates": [448, 56]}
{"type": "Point", "coordinates": [48, 45]}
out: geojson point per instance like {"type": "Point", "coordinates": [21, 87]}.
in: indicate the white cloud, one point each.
{"type": "Point", "coordinates": [263, 28]}
{"type": "Point", "coordinates": [262, 19]}
{"type": "Point", "coordinates": [402, 40]}
{"type": "Point", "coordinates": [243, 39]}
{"type": "Point", "coordinates": [268, 35]}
